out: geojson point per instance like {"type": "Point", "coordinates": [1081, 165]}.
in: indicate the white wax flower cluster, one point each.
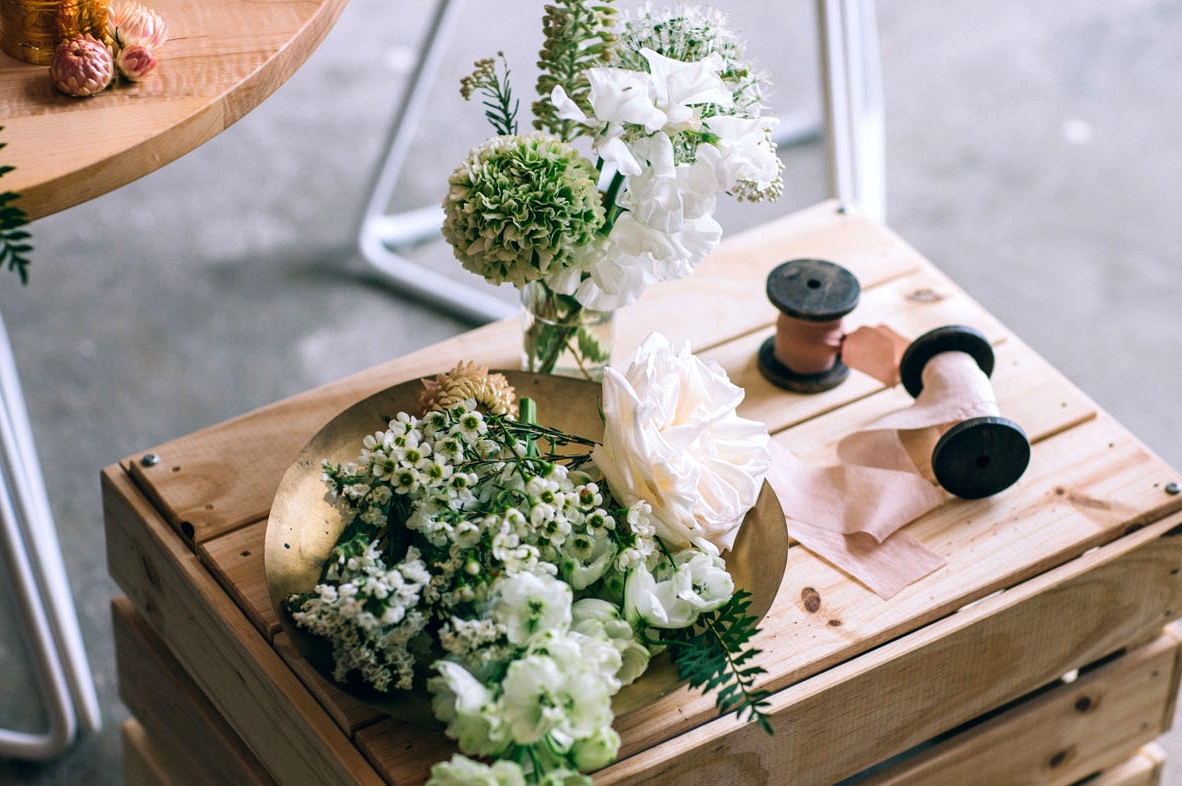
{"type": "Point", "coordinates": [667, 227]}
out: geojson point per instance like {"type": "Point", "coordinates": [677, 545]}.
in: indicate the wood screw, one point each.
{"type": "Point", "coordinates": [1173, 488]}
{"type": "Point", "coordinates": [149, 460]}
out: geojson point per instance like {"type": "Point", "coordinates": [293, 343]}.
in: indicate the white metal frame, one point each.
{"type": "Point", "coordinates": [852, 95]}
{"type": "Point", "coordinates": [34, 560]}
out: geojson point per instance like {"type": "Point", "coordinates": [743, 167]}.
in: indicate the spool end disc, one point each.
{"type": "Point", "coordinates": [813, 290]}
{"type": "Point", "coordinates": [950, 338]}
{"type": "Point", "coordinates": [981, 456]}
{"type": "Point", "coordinates": [783, 377]}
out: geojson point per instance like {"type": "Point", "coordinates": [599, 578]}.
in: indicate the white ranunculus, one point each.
{"type": "Point", "coordinates": [673, 439]}
{"type": "Point", "coordinates": [528, 604]}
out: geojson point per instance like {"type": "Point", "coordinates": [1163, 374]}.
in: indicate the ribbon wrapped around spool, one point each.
{"type": "Point", "coordinates": [851, 513]}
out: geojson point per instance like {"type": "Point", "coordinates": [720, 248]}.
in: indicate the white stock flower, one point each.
{"type": "Point", "coordinates": [541, 698]}
{"type": "Point", "coordinates": [462, 771]}
{"type": "Point", "coordinates": [673, 438]}
{"type": "Point", "coordinates": [598, 750]}
{"type": "Point", "coordinates": [697, 583]}
{"type": "Point", "coordinates": [528, 604]}
{"type": "Point", "coordinates": [593, 616]}
{"type": "Point", "coordinates": [466, 706]}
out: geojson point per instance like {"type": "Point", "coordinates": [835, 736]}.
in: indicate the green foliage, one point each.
{"type": "Point", "coordinates": [499, 105]}
{"type": "Point", "coordinates": [578, 36]}
{"type": "Point", "coordinates": [714, 655]}
{"type": "Point", "coordinates": [13, 239]}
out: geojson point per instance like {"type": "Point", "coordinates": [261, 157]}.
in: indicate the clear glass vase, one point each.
{"type": "Point", "coordinates": [561, 336]}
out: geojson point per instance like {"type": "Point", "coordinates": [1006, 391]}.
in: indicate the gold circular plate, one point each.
{"type": "Point", "coordinates": [303, 526]}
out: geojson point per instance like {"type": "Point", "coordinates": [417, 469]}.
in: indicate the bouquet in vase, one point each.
{"type": "Point", "coordinates": [643, 120]}
{"type": "Point", "coordinates": [522, 575]}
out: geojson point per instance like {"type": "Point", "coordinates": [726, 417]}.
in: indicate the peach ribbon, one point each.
{"type": "Point", "coordinates": [851, 513]}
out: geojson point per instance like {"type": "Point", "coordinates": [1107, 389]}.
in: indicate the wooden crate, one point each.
{"type": "Point", "coordinates": [1077, 561]}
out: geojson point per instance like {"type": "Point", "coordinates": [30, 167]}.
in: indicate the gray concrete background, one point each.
{"type": "Point", "coordinates": [1032, 153]}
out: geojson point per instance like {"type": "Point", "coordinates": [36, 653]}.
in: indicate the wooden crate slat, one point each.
{"type": "Point", "coordinates": [234, 667]}
{"type": "Point", "coordinates": [1145, 768]}
{"type": "Point", "coordinates": [404, 752]}
{"type": "Point", "coordinates": [930, 681]}
{"type": "Point", "coordinates": [236, 561]}
{"type": "Point", "coordinates": [185, 729]}
{"type": "Point", "coordinates": [1061, 736]}
{"type": "Point", "coordinates": [349, 713]}
{"type": "Point", "coordinates": [143, 764]}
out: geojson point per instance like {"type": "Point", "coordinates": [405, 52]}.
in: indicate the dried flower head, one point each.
{"type": "Point", "coordinates": [519, 206]}
{"type": "Point", "coordinates": [82, 66]}
{"type": "Point", "coordinates": [135, 62]}
{"type": "Point", "coordinates": [467, 381]}
{"type": "Point", "coordinates": [130, 22]}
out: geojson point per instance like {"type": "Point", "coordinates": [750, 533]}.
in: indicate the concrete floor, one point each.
{"type": "Point", "coordinates": [1032, 154]}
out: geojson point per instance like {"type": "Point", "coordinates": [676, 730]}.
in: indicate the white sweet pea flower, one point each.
{"type": "Point", "coordinates": [528, 604]}
{"type": "Point", "coordinates": [620, 96]}
{"type": "Point", "coordinates": [745, 152]}
{"type": "Point", "coordinates": [680, 88]}
{"type": "Point", "coordinates": [673, 439]}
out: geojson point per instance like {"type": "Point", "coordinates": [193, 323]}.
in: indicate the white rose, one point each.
{"type": "Point", "coordinates": [673, 439]}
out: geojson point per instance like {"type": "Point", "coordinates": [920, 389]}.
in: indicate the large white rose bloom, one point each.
{"type": "Point", "coordinates": [673, 439]}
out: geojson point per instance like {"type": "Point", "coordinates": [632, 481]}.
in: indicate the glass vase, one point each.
{"type": "Point", "coordinates": [31, 29]}
{"type": "Point", "coordinates": [561, 336]}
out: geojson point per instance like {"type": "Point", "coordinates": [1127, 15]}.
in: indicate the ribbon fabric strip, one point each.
{"type": "Point", "coordinates": [850, 514]}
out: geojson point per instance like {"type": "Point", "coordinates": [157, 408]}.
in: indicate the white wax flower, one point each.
{"type": "Point", "coordinates": [673, 439]}
{"type": "Point", "coordinates": [528, 604]}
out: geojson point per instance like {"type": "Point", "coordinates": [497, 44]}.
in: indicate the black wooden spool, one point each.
{"type": "Point", "coordinates": [978, 457]}
{"type": "Point", "coordinates": [811, 290]}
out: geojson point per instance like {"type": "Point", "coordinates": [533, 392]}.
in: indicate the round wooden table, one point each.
{"type": "Point", "coordinates": [223, 57]}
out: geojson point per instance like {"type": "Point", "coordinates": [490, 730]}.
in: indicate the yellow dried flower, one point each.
{"type": "Point", "coordinates": [491, 392]}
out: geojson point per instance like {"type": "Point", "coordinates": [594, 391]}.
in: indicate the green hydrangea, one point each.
{"type": "Point", "coordinates": [518, 207]}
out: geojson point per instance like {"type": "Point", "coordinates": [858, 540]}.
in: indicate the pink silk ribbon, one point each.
{"type": "Point", "coordinates": [850, 514]}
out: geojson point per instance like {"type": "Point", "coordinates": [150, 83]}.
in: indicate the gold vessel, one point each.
{"type": "Point", "coordinates": [31, 29]}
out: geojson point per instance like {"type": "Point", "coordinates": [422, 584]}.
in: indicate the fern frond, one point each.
{"type": "Point", "coordinates": [13, 248]}
{"type": "Point", "coordinates": [714, 654]}
{"type": "Point", "coordinates": [578, 35]}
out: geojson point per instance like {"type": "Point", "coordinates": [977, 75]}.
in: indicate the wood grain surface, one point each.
{"type": "Point", "coordinates": [223, 57]}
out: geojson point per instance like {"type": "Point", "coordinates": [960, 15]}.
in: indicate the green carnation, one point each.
{"type": "Point", "coordinates": [518, 207]}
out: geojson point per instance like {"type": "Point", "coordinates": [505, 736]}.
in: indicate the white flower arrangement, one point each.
{"type": "Point", "coordinates": [666, 103]}
{"type": "Point", "coordinates": [487, 560]}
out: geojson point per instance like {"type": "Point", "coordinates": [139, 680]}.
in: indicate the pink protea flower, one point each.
{"type": "Point", "coordinates": [135, 62]}
{"type": "Point", "coordinates": [129, 22]}
{"type": "Point", "coordinates": [82, 66]}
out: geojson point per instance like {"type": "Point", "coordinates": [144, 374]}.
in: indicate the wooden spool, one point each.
{"type": "Point", "coordinates": [981, 456]}
{"type": "Point", "coordinates": [811, 290]}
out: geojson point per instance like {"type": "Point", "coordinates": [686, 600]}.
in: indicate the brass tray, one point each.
{"type": "Point", "coordinates": [303, 526]}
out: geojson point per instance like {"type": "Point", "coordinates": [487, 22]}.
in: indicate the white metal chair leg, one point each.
{"type": "Point", "coordinates": [381, 235]}
{"type": "Point", "coordinates": [34, 560]}
{"type": "Point", "coordinates": [851, 75]}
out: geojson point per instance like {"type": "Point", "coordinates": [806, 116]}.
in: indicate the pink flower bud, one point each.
{"type": "Point", "coordinates": [135, 62]}
{"type": "Point", "coordinates": [81, 66]}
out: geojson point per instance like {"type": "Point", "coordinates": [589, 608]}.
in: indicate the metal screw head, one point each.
{"type": "Point", "coordinates": [1173, 488]}
{"type": "Point", "coordinates": [149, 460]}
